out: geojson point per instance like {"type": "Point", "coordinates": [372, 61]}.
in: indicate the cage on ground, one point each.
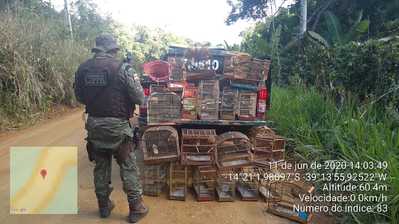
{"type": "Point", "coordinates": [225, 185]}
{"type": "Point", "coordinates": [177, 182]}
{"type": "Point", "coordinates": [160, 144]}
{"type": "Point", "coordinates": [204, 182]}
{"type": "Point", "coordinates": [233, 150]}
{"type": "Point", "coordinates": [247, 185]}
{"type": "Point", "coordinates": [153, 179]}
{"type": "Point", "coordinates": [268, 147]}
{"type": "Point", "coordinates": [198, 146]}
{"type": "Point", "coordinates": [285, 201]}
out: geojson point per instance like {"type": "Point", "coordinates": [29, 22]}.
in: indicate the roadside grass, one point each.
{"type": "Point", "coordinates": [37, 65]}
{"type": "Point", "coordinates": [355, 132]}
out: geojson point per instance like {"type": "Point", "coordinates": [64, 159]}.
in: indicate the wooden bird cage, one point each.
{"type": "Point", "coordinates": [163, 107]}
{"type": "Point", "coordinates": [208, 100]}
{"type": "Point", "coordinates": [198, 146]}
{"type": "Point", "coordinates": [285, 201]}
{"type": "Point", "coordinates": [160, 144]}
{"type": "Point", "coordinates": [153, 179]}
{"type": "Point", "coordinates": [177, 67]}
{"type": "Point", "coordinates": [268, 146]}
{"type": "Point", "coordinates": [247, 106]}
{"type": "Point", "coordinates": [241, 66]}
{"type": "Point", "coordinates": [247, 187]}
{"type": "Point", "coordinates": [204, 182]}
{"type": "Point", "coordinates": [190, 103]}
{"type": "Point", "coordinates": [228, 105]}
{"type": "Point", "coordinates": [177, 183]}
{"type": "Point", "coordinates": [198, 65]}
{"type": "Point", "coordinates": [225, 185]}
{"type": "Point", "coordinates": [233, 150]}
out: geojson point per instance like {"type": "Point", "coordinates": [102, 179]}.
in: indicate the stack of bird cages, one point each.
{"type": "Point", "coordinates": [247, 185]}
{"type": "Point", "coordinates": [198, 146]}
{"type": "Point", "coordinates": [177, 68]}
{"type": "Point", "coordinates": [178, 177]}
{"type": "Point", "coordinates": [208, 100]}
{"type": "Point", "coordinates": [176, 60]}
{"type": "Point", "coordinates": [204, 182]}
{"type": "Point", "coordinates": [241, 66]}
{"type": "Point", "coordinates": [228, 65]}
{"type": "Point", "coordinates": [286, 201]}
{"type": "Point", "coordinates": [259, 69]}
{"type": "Point", "coordinates": [160, 144]}
{"type": "Point", "coordinates": [225, 185]}
{"type": "Point", "coordinates": [198, 64]}
{"type": "Point", "coordinates": [247, 106]}
{"type": "Point", "coordinates": [189, 110]}
{"type": "Point", "coordinates": [233, 150]}
{"type": "Point", "coordinates": [228, 105]}
{"type": "Point", "coordinates": [163, 107]}
{"type": "Point", "coordinates": [268, 146]}
{"type": "Point", "coordinates": [153, 179]}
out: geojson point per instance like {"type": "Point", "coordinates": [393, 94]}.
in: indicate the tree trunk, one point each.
{"type": "Point", "coordinates": [303, 19]}
{"type": "Point", "coordinates": [68, 18]}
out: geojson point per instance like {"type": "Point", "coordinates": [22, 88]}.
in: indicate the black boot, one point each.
{"type": "Point", "coordinates": [137, 211]}
{"type": "Point", "coordinates": [105, 207]}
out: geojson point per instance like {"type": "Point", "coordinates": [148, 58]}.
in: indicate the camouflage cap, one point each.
{"type": "Point", "coordinates": [105, 43]}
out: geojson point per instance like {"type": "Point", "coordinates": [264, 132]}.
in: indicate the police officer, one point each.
{"type": "Point", "coordinates": [109, 90]}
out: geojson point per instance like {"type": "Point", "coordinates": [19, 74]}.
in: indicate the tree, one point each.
{"type": "Point", "coordinates": [247, 9]}
{"type": "Point", "coordinates": [304, 17]}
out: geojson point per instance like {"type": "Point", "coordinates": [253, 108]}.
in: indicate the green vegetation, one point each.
{"type": "Point", "coordinates": [323, 131]}
{"type": "Point", "coordinates": [339, 85]}
{"type": "Point", "coordinates": [36, 67]}
{"type": "Point", "coordinates": [38, 58]}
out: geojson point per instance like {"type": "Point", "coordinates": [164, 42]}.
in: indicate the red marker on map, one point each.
{"type": "Point", "coordinates": [43, 172]}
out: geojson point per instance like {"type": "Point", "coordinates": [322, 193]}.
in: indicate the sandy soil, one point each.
{"type": "Point", "coordinates": [68, 130]}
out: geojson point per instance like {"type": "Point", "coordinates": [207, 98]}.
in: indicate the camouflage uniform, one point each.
{"type": "Point", "coordinates": [112, 136]}
{"type": "Point", "coordinates": [109, 132]}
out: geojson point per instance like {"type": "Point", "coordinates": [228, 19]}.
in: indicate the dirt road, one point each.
{"type": "Point", "coordinates": [69, 130]}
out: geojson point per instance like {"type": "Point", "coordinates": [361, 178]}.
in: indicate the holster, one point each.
{"type": "Point", "coordinates": [136, 137]}
{"type": "Point", "coordinates": [90, 151]}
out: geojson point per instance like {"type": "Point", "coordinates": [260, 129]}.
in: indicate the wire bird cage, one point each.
{"type": "Point", "coordinates": [198, 146]}
{"type": "Point", "coordinates": [164, 107]}
{"type": "Point", "coordinates": [247, 106]}
{"type": "Point", "coordinates": [228, 105]}
{"type": "Point", "coordinates": [282, 199]}
{"type": "Point", "coordinates": [268, 146]}
{"type": "Point", "coordinates": [177, 182]}
{"type": "Point", "coordinates": [204, 182]}
{"type": "Point", "coordinates": [153, 179]}
{"type": "Point", "coordinates": [208, 100]}
{"type": "Point", "coordinates": [233, 150]}
{"type": "Point", "coordinates": [247, 185]}
{"type": "Point", "coordinates": [225, 185]}
{"type": "Point", "coordinates": [160, 144]}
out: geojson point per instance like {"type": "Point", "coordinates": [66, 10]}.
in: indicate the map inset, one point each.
{"type": "Point", "coordinates": [43, 180]}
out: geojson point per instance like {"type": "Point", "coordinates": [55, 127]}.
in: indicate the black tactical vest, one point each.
{"type": "Point", "coordinates": [103, 90]}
